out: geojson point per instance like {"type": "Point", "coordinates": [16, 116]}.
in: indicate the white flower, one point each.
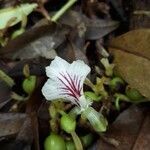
{"type": "Point", "coordinates": [66, 81]}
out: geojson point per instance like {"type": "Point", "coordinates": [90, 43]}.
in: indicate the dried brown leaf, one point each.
{"type": "Point", "coordinates": [132, 58]}
{"type": "Point", "coordinates": [94, 28]}
{"type": "Point", "coordinates": [39, 41]}
{"type": "Point", "coordinates": [98, 28]}
{"type": "Point", "coordinates": [10, 123]}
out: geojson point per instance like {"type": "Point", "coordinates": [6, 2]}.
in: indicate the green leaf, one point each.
{"type": "Point", "coordinates": [15, 14]}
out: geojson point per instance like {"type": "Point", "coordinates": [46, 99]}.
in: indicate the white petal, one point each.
{"type": "Point", "coordinates": [57, 65]}
{"type": "Point", "coordinates": [65, 80]}
{"type": "Point", "coordinates": [80, 69]}
{"type": "Point", "coordinates": [51, 91]}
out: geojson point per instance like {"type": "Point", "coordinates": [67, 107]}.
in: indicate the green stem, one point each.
{"type": "Point", "coordinates": [63, 10]}
{"type": "Point", "coordinates": [6, 78]}
{"type": "Point", "coordinates": [117, 103]}
{"type": "Point", "coordinates": [75, 112]}
{"type": "Point", "coordinates": [17, 97]}
{"type": "Point", "coordinates": [24, 21]}
{"type": "Point", "coordinates": [77, 141]}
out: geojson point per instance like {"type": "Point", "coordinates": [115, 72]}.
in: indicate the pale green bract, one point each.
{"type": "Point", "coordinates": [14, 15]}
{"type": "Point", "coordinates": [96, 119]}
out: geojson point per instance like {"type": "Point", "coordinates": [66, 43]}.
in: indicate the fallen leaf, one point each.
{"type": "Point", "coordinates": [5, 94]}
{"type": "Point", "coordinates": [26, 38]}
{"type": "Point", "coordinates": [98, 28]}
{"type": "Point", "coordinates": [10, 123]}
{"type": "Point", "coordinates": [25, 136]}
{"type": "Point", "coordinates": [142, 141]}
{"type": "Point", "coordinates": [94, 28]}
{"type": "Point", "coordinates": [132, 59]}
{"type": "Point", "coordinates": [130, 130]}
{"type": "Point", "coordinates": [39, 41]}
{"type": "Point", "coordinates": [23, 140]}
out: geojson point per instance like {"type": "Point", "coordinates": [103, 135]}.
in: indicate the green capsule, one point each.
{"type": "Point", "coordinates": [29, 84]}
{"type": "Point", "coordinates": [54, 142]}
{"type": "Point", "coordinates": [68, 124]}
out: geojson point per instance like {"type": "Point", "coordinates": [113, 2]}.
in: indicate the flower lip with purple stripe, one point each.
{"type": "Point", "coordinates": [66, 81]}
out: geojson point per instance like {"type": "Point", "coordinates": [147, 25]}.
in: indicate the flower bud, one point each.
{"type": "Point", "coordinates": [29, 84]}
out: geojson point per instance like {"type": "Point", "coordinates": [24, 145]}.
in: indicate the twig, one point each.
{"type": "Point", "coordinates": [110, 141]}
{"type": "Point", "coordinates": [141, 12]}
{"type": "Point", "coordinates": [63, 10]}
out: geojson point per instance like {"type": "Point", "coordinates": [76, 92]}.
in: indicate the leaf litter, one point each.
{"type": "Point", "coordinates": [81, 33]}
{"type": "Point", "coordinates": [132, 58]}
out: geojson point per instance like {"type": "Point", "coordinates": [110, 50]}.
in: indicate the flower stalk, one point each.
{"type": "Point", "coordinates": [63, 10]}
{"type": "Point", "coordinates": [77, 141]}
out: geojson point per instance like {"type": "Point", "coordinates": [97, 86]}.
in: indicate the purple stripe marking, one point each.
{"type": "Point", "coordinates": [72, 87]}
